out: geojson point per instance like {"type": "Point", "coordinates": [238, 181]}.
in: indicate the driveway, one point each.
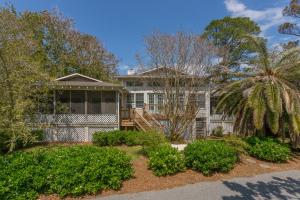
{"type": "Point", "coordinates": [279, 185]}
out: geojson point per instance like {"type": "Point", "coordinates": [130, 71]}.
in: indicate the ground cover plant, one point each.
{"type": "Point", "coordinates": [166, 160]}
{"type": "Point", "coordinates": [209, 156]}
{"type": "Point", "coordinates": [74, 170]}
{"type": "Point", "coordinates": [268, 149]}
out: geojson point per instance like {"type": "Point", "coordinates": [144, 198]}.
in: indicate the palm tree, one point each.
{"type": "Point", "coordinates": [266, 100]}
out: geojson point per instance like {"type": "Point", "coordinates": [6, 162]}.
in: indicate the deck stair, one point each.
{"type": "Point", "coordinates": [141, 120]}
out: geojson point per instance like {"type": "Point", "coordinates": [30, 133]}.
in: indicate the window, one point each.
{"type": "Point", "coordinates": [151, 102]}
{"type": "Point", "coordinates": [213, 105]}
{"type": "Point", "coordinates": [134, 83]}
{"type": "Point", "coordinates": [78, 102]}
{"type": "Point", "coordinates": [181, 101]}
{"type": "Point", "coordinates": [94, 102]}
{"type": "Point", "coordinates": [160, 101]}
{"type": "Point", "coordinates": [154, 84]}
{"type": "Point", "coordinates": [139, 100]}
{"type": "Point", "coordinates": [138, 84]}
{"type": "Point", "coordinates": [129, 83]}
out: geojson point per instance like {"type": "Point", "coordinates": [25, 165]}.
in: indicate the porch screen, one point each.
{"type": "Point", "coordinates": [62, 102]}
{"type": "Point", "coordinates": [78, 102]}
{"type": "Point", "coordinates": [108, 103]}
{"type": "Point", "coordinates": [94, 102]}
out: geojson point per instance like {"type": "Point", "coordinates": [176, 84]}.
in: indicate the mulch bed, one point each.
{"type": "Point", "coordinates": [144, 180]}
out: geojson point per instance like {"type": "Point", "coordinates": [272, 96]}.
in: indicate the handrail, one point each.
{"type": "Point", "coordinates": [154, 120]}
{"type": "Point", "coordinates": [141, 127]}
{"type": "Point", "coordinates": [144, 120]}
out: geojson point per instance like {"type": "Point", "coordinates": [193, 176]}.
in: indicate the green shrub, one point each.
{"type": "Point", "coordinates": [238, 143]}
{"type": "Point", "coordinates": [38, 134]}
{"type": "Point", "coordinates": [166, 160]}
{"type": "Point", "coordinates": [209, 156]}
{"type": "Point", "coordinates": [152, 140]}
{"type": "Point", "coordinates": [35, 136]}
{"type": "Point", "coordinates": [218, 131]}
{"type": "Point", "coordinates": [72, 171]}
{"type": "Point", "coordinates": [268, 149]}
{"type": "Point", "coordinates": [111, 138]}
{"type": "Point", "coordinates": [132, 138]}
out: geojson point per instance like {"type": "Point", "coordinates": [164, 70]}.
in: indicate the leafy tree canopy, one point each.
{"type": "Point", "coordinates": [292, 10]}
{"type": "Point", "coordinates": [228, 35]}
{"type": "Point", "coordinates": [63, 50]}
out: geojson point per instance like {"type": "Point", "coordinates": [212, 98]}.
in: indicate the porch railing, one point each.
{"type": "Point", "coordinates": [78, 119]}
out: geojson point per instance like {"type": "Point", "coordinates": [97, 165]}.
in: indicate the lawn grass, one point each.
{"type": "Point", "coordinates": [133, 151]}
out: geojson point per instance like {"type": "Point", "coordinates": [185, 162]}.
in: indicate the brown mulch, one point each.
{"type": "Point", "coordinates": [144, 180]}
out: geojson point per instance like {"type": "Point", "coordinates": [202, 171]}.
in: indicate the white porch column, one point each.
{"type": "Point", "coordinates": [118, 108]}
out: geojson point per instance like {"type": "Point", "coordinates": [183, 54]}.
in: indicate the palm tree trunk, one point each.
{"type": "Point", "coordinates": [295, 141]}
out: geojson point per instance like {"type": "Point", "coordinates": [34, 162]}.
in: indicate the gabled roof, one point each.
{"type": "Point", "coordinates": [154, 72]}
{"type": "Point", "coordinates": [72, 77]}
{"type": "Point", "coordinates": [79, 81]}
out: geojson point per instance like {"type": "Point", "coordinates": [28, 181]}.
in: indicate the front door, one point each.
{"type": "Point", "coordinates": [200, 127]}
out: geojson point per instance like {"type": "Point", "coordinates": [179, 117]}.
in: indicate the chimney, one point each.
{"type": "Point", "coordinates": [130, 72]}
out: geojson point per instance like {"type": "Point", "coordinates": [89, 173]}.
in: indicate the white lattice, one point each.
{"type": "Point", "coordinates": [65, 134]}
{"type": "Point", "coordinates": [74, 133]}
{"type": "Point", "coordinates": [79, 119]}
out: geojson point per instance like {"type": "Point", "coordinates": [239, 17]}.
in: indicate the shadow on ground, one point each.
{"type": "Point", "coordinates": [284, 189]}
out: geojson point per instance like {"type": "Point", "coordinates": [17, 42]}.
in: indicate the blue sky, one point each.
{"type": "Point", "coordinates": [122, 24]}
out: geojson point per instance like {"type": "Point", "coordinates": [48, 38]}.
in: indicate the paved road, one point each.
{"type": "Point", "coordinates": [279, 185]}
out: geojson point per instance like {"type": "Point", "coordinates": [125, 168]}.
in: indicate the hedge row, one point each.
{"type": "Point", "coordinates": [129, 138]}
{"type": "Point", "coordinates": [65, 171]}
{"type": "Point", "coordinates": [210, 156]}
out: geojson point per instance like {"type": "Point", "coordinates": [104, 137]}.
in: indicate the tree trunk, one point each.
{"type": "Point", "coordinates": [295, 141]}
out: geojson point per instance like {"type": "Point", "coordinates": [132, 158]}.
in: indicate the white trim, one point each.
{"type": "Point", "coordinates": [153, 69]}
{"type": "Point", "coordinates": [77, 74]}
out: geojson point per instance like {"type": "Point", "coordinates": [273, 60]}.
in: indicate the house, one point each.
{"type": "Point", "coordinates": [142, 97]}
{"type": "Point", "coordinates": [83, 105]}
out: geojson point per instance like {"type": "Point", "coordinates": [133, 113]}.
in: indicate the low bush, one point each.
{"type": "Point", "coordinates": [152, 140]}
{"type": "Point", "coordinates": [209, 156]}
{"type": "Point", "coordinates": [36, 135]}
{"type": "Point", "coordinates": [268, 149]}
{"type": "Point", "coordinates": [238, 143]}
{"type": "Point", "coordinates": [130, 138]}
{"type": "Point", "coordinates": [218, 131]}
{"type": "Point", "coordinates": [166, 160]}
{"type": "Point", "coordinates": [111, 138]}
{"type": "Point", "coordinates": [65, 171]}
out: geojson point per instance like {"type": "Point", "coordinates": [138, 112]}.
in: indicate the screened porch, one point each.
{"type": "Point", "coordinates": [83, 107]}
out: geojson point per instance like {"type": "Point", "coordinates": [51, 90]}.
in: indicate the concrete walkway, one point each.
{"type": "Point", "coordinates": [279, 185]}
